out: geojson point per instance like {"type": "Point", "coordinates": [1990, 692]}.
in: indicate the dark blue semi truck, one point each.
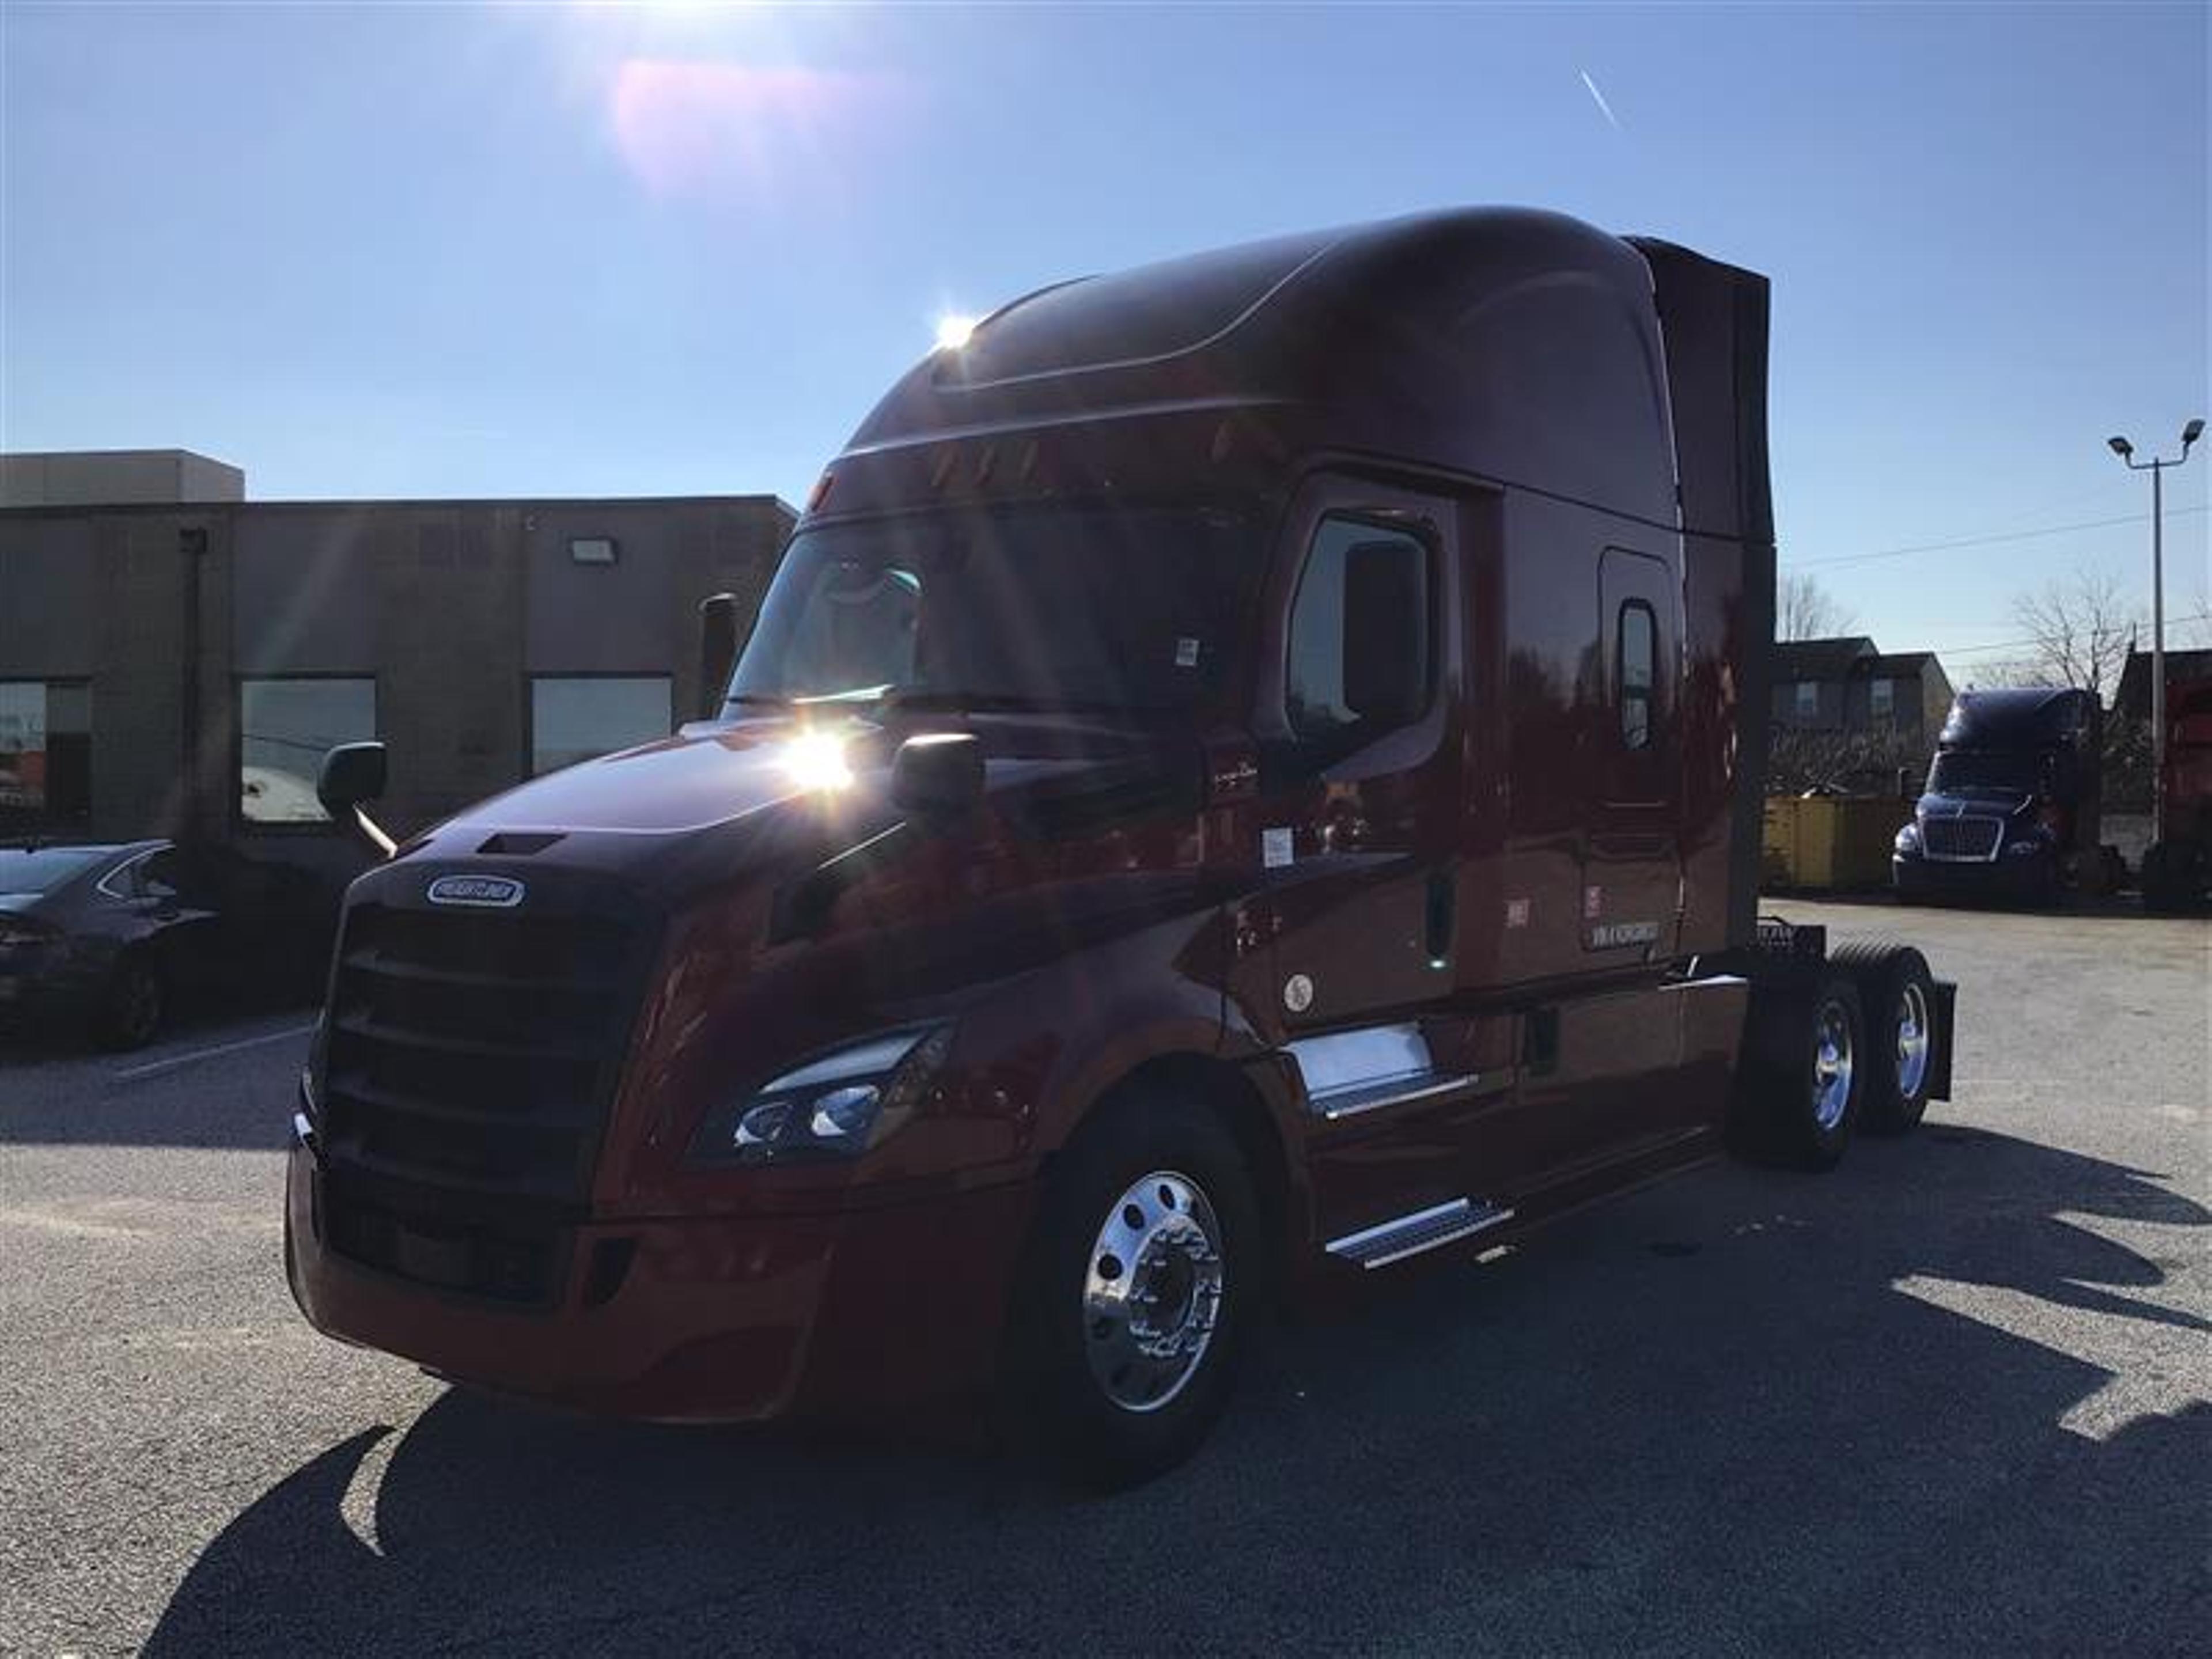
{"type": "Point", "coordinates": [2012, 805]}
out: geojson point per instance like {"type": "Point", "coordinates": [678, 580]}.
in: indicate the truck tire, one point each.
{"type": "Point", "coordinates": [1145, 1275]}
{"type": "Point", "coordinates": [1803, 1077]}
{"type": "Point", "coordinates": [1896, 995]}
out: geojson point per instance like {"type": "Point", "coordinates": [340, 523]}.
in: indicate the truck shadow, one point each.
{"type": "Point", "coordinates": [1910, 1407]}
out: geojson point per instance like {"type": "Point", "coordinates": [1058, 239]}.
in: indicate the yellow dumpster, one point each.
{"type": "Point", "coordinates": [1832, 841]}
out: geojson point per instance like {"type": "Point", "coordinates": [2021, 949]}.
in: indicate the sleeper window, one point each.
{"type": "Point", "coordinates": [1639, 652]}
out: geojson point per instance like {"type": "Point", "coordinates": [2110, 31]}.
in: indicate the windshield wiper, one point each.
{"type": "Point", "coordinates": [755, 700]}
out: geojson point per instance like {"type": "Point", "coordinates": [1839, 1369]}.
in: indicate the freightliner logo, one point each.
{"type": "Point", "coordinates": [484, 892]}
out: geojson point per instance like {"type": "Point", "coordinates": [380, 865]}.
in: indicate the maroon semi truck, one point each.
{"type": "Point", "coordinates": [1247, 775]}
{"type": "Point", "coordinates": [2176, 867]}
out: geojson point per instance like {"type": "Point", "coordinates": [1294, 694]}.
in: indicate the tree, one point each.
{"type": "Point", "coordinates": [2079, 629]}
{"type": "Point", "coordinates": [1803, 610]}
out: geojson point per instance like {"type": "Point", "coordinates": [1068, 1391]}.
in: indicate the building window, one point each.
{"type": "Point", "coordinates": [285, 727]}
{"type": "Point", "coordinates": [1638, 669]}
{"type": "Point", "coordinates": [1359, 632]}
{"type": "Point", "coordinates": [573, 720]}
{"type": "Point", "coordinates": [1881, 700]}
{"type": "Point", "coordinates": [45, 752]}
{"type": "Point", "coordinates": [1808, 700]}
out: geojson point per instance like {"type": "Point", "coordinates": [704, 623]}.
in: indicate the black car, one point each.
{"type": "Point", "coordinates": [108, 939]}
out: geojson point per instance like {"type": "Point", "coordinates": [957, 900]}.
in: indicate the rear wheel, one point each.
{"type": "Point", "coordinates": [1804, 1072]}
{"type": "Point", "coordinates": [131, 1008]}
{"type": "Point", "coordinates": [1898, 995]}
{"type": "Point", "coordinates": [1143, 1278]}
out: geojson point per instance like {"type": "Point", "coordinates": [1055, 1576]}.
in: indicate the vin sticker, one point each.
{"type": "Point", "coordinates": [1516, 913]}
{"type": "Point", "coordinates": [1278, 849]}
{"type": "Point", "coordinates": [1186, 653]}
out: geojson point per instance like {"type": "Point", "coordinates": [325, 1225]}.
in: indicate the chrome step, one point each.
{"type": "Point", "coordinates": [1411, 1235]}
{"type": "Point", "coordinates": [1336, 1103]}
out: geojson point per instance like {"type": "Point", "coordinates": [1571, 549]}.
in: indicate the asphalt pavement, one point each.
{"type": "Point", "coordinates": [1955, 1397]}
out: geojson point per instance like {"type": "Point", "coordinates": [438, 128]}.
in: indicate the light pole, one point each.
{"type": "Point", "coordinates": [2156, 468]}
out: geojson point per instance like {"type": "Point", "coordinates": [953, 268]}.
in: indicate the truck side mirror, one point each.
{"type": "Point", "coordinates": [938, 773]}
{"type": "Point", "coordinates": [351, 774]}
{"type": "Point", "coordinates": [1386, 632]}
{"type": "Point", "coordinates": [718, 650]}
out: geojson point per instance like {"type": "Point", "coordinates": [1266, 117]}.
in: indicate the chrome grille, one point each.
{"type": "Point", "coordinates": [1962, 841]}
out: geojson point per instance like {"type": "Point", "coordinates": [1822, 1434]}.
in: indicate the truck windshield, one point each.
{"type": "Point", "coordinates": [1125, 610]}
{"type": "Point", "coordinates": [2012, 770]}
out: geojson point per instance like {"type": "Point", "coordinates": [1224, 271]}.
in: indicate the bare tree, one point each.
{"type": "Point", "coordinates": [2080, 630]}
{"type": "Point", "coordinates": [1803, 610]}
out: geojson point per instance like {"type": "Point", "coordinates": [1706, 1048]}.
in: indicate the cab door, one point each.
{"type": "Point", "coordinates": [1363, 740]}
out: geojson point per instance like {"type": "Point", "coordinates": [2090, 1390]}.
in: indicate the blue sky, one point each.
{"type": "Point", "coordinates": [443, 250]}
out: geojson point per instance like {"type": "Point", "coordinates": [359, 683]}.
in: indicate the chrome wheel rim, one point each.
{"type": "Point", "coordinates": [1832, 1064]}
{"type": "Point", "coordinates": [1912, 1041]}
{"type": "Point", "coordinates": [1152, 1291]}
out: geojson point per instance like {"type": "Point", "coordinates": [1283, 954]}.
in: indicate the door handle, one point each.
{"type": "Point", "coordinates": [1439, 915]}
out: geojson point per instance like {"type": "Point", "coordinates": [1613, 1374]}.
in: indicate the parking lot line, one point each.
{"type": "Point", "coordinates": [174, 1061]}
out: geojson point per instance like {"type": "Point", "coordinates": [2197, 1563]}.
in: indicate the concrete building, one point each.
{"type": "Point", "coordinates": [1845, 685]}
{"type": "Point", "coordinates": [117, 478]}
{"type": "Point", "coordinates": [179, 666]}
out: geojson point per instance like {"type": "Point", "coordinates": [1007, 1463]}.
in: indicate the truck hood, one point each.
{"type": "Point", "coordinates": [692, 781]}
{"type": "Point", "coordinates": [760, 798]}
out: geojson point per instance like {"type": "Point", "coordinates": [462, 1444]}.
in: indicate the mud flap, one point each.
{"type": "Point", "coordinates": [1939, 1059]}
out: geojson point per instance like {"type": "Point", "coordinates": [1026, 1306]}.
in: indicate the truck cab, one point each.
{"type": "Point", "coordinates": [2011, 809]}
{"type": "Point", "coordinates": [1247, 773]}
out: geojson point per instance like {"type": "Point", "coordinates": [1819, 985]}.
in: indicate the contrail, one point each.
{"type": "Point", "coordinates": [1603, 108]}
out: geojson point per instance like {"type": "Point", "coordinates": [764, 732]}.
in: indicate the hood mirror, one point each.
{"type": "Point", "coordinates": [938, 774]}
{"type": "Point", "coordinates": [351, 774]}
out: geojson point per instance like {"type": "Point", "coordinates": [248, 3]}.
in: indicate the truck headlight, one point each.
{"type": "Point", "coordinates": [835, 1105]}
{"type": "Point", "coordinates": [1908, 839]}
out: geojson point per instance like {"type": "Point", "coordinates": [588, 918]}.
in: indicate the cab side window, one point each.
{"type": "Point", "coordinates": [1361, 634]}
{"type": "Point", "coordinates": [1638, 673]}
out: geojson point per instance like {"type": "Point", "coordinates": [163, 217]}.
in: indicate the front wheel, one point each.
{"type": "Point", "coordinates": [1143, 1280]}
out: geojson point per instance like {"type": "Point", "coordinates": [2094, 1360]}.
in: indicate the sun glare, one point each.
{"type": "Point", "coordinates": [953, 330]}
{"type": "Point", "coordinates": [815, 760]}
